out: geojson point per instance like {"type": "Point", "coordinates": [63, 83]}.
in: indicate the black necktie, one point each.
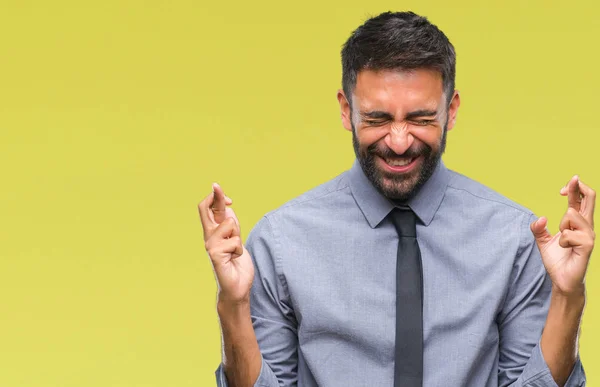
{"type": "Point", "coordinates": [408, 370]}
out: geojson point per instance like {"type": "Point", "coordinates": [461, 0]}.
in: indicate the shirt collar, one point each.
{"type": "Point", "coordinates": [376, 207]}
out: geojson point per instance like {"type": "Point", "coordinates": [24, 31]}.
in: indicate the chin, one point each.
{"type": "Point", "coordinates": [399, 190]}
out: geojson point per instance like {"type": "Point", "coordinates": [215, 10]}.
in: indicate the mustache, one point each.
{"type": "Point", "coordinates": [385, 152]}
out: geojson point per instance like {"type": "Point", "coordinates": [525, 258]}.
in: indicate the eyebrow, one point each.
{"type": "Point", "coordinates": [421, 113]}
{"type": "Point", "coordinates": [378, 114]}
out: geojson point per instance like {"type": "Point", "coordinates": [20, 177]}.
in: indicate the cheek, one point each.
{"type": "Point", "coordinates": [430, 136]}
{"type": "Point", "coordinates": [369, 136]}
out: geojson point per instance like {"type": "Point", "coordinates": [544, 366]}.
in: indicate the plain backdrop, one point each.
{"type": "Point", "coordinates": [116, 117]}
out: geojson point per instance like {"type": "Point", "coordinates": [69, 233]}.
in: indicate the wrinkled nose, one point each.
{"type": "Point", "coordinates": [399, 139]}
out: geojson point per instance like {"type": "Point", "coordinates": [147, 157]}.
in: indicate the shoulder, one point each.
{"type": "Point", "coordinates": [316, 200]}
{"type": "Point", "coordinates": [488, 209]}
{"type": "Point", "coordinates": [321, 201]}
{"type": "Point", "coordinates": [474, 193]}
{"type": "Point", "coordinates": [322, 192]}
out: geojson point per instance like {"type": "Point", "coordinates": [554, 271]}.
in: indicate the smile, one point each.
{"type": "Point", "coordinates": [400, 164]}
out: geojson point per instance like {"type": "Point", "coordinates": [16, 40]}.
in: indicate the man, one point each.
{"type": "Point", "coordinates": [399, 271]}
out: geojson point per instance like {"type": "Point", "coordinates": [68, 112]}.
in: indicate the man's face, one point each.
{"type": "Point", "coordinates": [399, 121]}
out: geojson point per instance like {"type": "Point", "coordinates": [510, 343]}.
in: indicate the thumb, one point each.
{"type": "Point", "coordinates": [540, 232]}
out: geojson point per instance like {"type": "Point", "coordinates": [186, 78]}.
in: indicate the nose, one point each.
{"type": "Point", "coordinates": [399, 139]}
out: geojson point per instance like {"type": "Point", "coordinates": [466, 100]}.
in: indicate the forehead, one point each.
{"type": "Point", "coordinates": [393, 90]}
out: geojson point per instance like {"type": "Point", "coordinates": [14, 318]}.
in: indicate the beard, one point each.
{"type": "Point", "coordinates": [398, 187]}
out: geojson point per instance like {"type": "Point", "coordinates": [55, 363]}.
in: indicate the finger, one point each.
{"type": "Point", "coordinates": [573, 220]}
{"type": "Point", "coordinates": [540, 232]}
{"type": "Point", "coordinates": [574, 195]}
{"type": "Point", "coordinates": [570, 238]}
{"type": "Point", "coordinates": [232, 245]}
{"type": "Point", "coordinates": [218, 205]}
{"type": "Point", "coordinates": [563, 191]}
{"type": "Point", "coordinates": [205, 217]}
{"type": "Point", "coordinates": [221, 250]}
{"type": "Point", "coordinates": [229, 213]}
{"type": "Point", "coordinates": [588, 203]}
{"type": "Point", "coordinates": [236, 227]}
{"type": "Point", "coordinates": [226, 229]}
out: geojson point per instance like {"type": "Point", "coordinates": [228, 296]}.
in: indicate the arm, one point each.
{"type": "Point", "coordinates": [257, 323]}
{"type": "Point", "coordinates": [549, 275]}
{"type": "Point", "coordinates": [270, 341]}
{"type": "Point", "coordinates": [234, 272]}
{"type": "Point", "coordinates": [559, 339]}
{"type": "Point", "coordinates": [527, 319]}
{"type": "Point", "coordinates": [242, 360]}
{"type": "Point", "coordinates": [566, 256]}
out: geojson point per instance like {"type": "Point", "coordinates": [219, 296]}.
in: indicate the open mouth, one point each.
{"type": "Point", "coordinates": [400, 164]}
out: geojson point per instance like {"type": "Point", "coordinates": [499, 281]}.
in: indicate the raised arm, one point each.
{"type": "Point", "coordinates": [566, 256]}
{"type": "Point", "coordinates": [258, 326]}
{"type": "Point", "coordinates": [234, 273]}
{"type": "Point", "coordinates": [540, 321]}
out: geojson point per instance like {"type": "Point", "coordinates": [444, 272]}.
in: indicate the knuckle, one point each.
{"type": "Point", "coordinates": [563, 244]}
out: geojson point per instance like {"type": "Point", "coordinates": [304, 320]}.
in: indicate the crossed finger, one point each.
{"type": "Point", "coordinates": [588, 203]}
{"type": "Point", "coordinates": [213, 209]}
{"type": "Point", "coordinates": [581, 198]}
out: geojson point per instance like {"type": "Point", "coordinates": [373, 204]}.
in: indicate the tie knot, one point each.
{"type": "Point", "coordinates": [405, 221]}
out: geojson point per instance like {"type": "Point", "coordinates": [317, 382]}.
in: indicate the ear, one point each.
{"type": "Point", "coordinates": [453, 109]}
{"type": "Point", "coordinates": [346, 113]}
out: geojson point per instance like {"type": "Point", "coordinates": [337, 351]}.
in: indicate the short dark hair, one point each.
{"type": "Point", "coordinates": [398, 41]}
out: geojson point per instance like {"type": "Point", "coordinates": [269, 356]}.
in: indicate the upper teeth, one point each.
{"type": "Point", "coordinates": [398, 162]}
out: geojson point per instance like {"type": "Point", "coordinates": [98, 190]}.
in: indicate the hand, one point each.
{"type": "Point", "coordinates": [566, 254]}
{"type": "Point", "coordinates": [231, 261]}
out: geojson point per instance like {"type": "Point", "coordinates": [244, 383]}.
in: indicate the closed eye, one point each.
{"type": "Point", "coordinates": [375, 123]}
{"type": "Point", "coordinates": [423, 122]}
